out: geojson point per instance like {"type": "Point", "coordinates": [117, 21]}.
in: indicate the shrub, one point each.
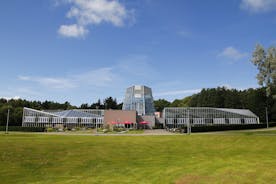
{"type": "Point", "coordinates": [50, 129]}
{"type": "Point", "coordinates": [210, 128]}
{"type": "Point", "coordinates": [106, 130]}
{"type": "Point", "coordinates": [23, 129]}
{"type": "Point", "coordinates": [116, 129]}
{"type": "Point", "coordinates": [77, 128]}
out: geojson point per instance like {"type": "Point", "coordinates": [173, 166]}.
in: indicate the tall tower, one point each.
{"type": "Point", "coordinates": [139, 98]}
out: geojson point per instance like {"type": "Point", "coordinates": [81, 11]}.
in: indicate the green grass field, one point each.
{"type": "Point", "coordinates": [239, 158]}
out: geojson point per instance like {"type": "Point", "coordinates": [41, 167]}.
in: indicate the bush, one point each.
{"type": "Point", "coordinates": [107, 126]}
{"type": "Point", "coordinates": [50, 129]}
{"type": "Point", "coordinates": [273, 124]}
{"type": "Point", "coordinates": [211, 128]}
{"type": "Point", "coordinates": [23, 129]}
{"type": "Point", "coordinates": [116, 129]}
{"type": "Point", "coordinates": [77, 128]}
{"type": "Point", "coordinates": [106, 130]}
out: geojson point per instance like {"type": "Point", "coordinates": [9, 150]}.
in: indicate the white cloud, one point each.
{"type": "Point", "coordinates": [98, 77]}
{"type": "Point", "coordinates": [73, 30]}
{"type": "Point", "coordinates": [9, 98]}
{"type": "Point", "coordinates": [50, 82]}
{"type": "Point", "coordinates": [178, 92]}
{"type": "Point", "coordinates": [232, 53]}
{"type": "Point", "coordinates": [23, 77]}
{"type": "Point", "coordinates": [93, 12]}
{"type": "Point", "coordinates": [57, 83]}
{"type": "Point", "coordinates": [89, 84]}
{"type": "Point", "coordinates": [258, 5]}
{"type": "Point", "coordinates": [18, 92]}
{"type": "Point", "coordinates": [227, 86]}
{"type": "Point", "coordinates": [25, 91]}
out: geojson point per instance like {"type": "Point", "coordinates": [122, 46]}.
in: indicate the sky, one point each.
{"type": "Point", "coordinates": [84, 50]}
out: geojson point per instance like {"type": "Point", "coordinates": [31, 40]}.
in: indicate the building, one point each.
{"type": "Point", "coordinates": [122, 118]}
{"type": "Point", "coordinates": [63, 118]}
{"type": "Point", "coordinates": [138, 111]}
{"type": "Point", "coordinates": [78, 118]}
{"type": "Point", "coordinates": [139, 98]}
{"type": "Point", "coordinates": [204, 116]}
{"type": "Point", "coordinates": [158, 114]}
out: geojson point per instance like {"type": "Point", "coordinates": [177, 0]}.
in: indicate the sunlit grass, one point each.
{"type": "Point", "coordinates": [34, 158]}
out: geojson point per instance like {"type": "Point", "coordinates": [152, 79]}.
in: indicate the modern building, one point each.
{"type": "Point", "coordinates": [138, 111]}
{"type": "Point", "coordinates": [139, 98]}
{"type": "Point", "coordinates": [63, 118]}
{"type": "Point", "coordinates": [204, 116]}
{"type": "Point", "coordinates": [78, 118]}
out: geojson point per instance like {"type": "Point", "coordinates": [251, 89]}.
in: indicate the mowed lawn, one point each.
{"type": "Point", "coordinates": [34, 158]}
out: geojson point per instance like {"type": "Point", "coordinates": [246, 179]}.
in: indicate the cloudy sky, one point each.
{"type": "Point", "coordinates": [83, 50]}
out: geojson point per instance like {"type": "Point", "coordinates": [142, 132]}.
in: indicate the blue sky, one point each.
{"type": "Point", "coordinates": [83, 50]}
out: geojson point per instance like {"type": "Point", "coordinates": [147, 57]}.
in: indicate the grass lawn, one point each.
{"type": "Point", "coordinates": [270, 132]}
{"type": "Point", "coordinates": [199, 158]}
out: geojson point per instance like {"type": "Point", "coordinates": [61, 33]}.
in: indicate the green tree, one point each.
{"type": "Point", "coordinates": [266, 64]}
{"type": "Point", "coordinates": [185, 102]}
{"type": "Point", "coordinates": [110, 103]}
{"type": "Point", "coordinates": [265, 60]}
{"type": "Point", "coordinates": [160, 104]}
{"type": "Point", "coordinates": [97, 105]}
{"type": "Point", "coordinates": [120, 106]}
{"type": "Point", "coordinates": [84, 106]}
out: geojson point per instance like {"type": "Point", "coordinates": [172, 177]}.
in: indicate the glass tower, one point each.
{"type": "Point", "coordinates": [139, 98]}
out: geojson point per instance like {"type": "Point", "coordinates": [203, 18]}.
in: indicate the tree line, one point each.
{"type": "Point", "coordinates": [16, 107]}
{"type": "Point", "coordinates": [255, 100]}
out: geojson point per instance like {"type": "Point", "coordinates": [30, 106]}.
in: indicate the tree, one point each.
{"type": "Point", "coordinates": [266, 64]}
{"type": "Point", "coordinates": [84, 106]}
{"type": "Point", "coordinates": [120, 106]}
{"type": "Point", "coordinates": [185, 102]}
{"type": "Point", "coordinates": [110, 103]}
{"type": "Point", "coordinates": [97, 105]}
{"type": "Point", "coordinates": [160, 104]}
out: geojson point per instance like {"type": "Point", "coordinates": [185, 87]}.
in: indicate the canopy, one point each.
{"type": "Point", "coordinates": [128, 122]}
{"type": "Point", "coordinates": [114, 123]}
{"type": "Point", "coordinates": [144, 123]}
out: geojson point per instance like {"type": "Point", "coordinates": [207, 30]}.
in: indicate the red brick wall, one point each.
{"type": "Point", "coordinates": [119, 116]}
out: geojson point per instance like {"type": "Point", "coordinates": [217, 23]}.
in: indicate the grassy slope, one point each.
{"type": "Point", "coordinates": [30, 158]}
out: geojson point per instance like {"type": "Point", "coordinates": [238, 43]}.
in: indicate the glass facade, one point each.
{"type": "Point", "coordinates": [139, 98]}
{"type": "Point", "coordinates": [65, 118]}
{"type": "Point", "coordinates": [202, 116]}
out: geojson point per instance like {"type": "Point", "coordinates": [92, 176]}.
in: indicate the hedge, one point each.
{"type": "Point", "coordinates": [194, 128]}
{"type": "Point", "coordinates": [23, 129]}
{"type": "Point", "coordinates": [228, 127]}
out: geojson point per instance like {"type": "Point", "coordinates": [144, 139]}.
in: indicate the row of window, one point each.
{"type": "Point", "coordinates": [32, 119]}
{"type": "Point", "coordinates": [199, 112]}
{"type": "Point", "coordinates": [60, 124]}
{"type": "Point", "coordinates": [202, 121]}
